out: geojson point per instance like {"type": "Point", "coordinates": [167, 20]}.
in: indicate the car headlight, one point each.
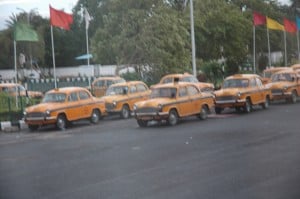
{"type": "Point", "coordinates": [135, 107]}
{"type": "Point", "coordinates": [114, 103]}
{"type": "Point", "coordinates": [159, 107]}
{"type": "Point", "coordinates": [285, 88]}
{"type": "Point", "coordinates": [24, 113]}
{"type": "Point", "coordinates": [47, 112]}
{"type": "Point", "coordinates": [239, 94]}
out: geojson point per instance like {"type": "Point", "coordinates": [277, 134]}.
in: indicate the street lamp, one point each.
{"type": "Point", "coordinates": [192, 36]}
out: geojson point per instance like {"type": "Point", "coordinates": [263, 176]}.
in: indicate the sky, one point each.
{"type": "Point", "coordinates": [9, 7]}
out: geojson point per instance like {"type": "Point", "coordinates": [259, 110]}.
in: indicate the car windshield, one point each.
{"type": "Point", "coordinates": [117, 90]}
{"type": "Point", "coordinates": [282, 77]}
{"type": "Point", "coordinates": [236, 83]}
{"type": "Point", "coordinates": [267, 74]}
{"type": "Point", "coordinates": [54, 97]}
{"type": "Point", "coordinates": [163, 92]}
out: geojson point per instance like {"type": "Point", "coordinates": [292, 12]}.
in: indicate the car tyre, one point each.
{"type": "Point", "coordinates": [61, 122]}
{"type": "Point", "coordinates": [125, 112]}
{"type": "Point", "coordinates": [173, 118]}
{"type": "Point", "coordinates": [294, 97]}
{"type": "Point", "coordinates": [203, 113]}
{"type": "Point", "coordinates": [247, 106]}
{"type": "Point", "coordinates": [266, 104]}
{"type": "Point", "coordinates": [96, 115]}
{"type": "Point", "coordinates": [142, 123]}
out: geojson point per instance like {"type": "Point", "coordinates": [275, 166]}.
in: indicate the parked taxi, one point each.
{"type": "Point", "coordinates": [285, 85]}
{"type": "Point", "coordinates": [186, 77]}
{"type": "Point", "coordinates": [268, 72]}
{"type": "Point", "coordinates": [172, 101]}
{"type": "Point", "coordinates": [100, 85]}
{"type": "Point", "coordinates": [62, 106]}
{"type": "Point", "coordinates": [119, 98]}
{"type": "Point", "coordinates": [242, 91]}
{"type": "Point", "coordinates": [14, 89]}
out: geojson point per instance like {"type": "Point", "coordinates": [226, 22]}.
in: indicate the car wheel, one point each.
{"type": "Point", "coordinates": [266, 104]}
{"type": "Point", "coordinates": [173, 118]}
{"type": "Point", "coordinates": [61, 122]}
{"type": "Point", "coordinates": [218, 110]}
{"type": "Point", "coordinates": [142, 123]}
{"type": "Point", "coordinates": [33, 127]}
{"type": "Point", "coordinates": [294, 97]}
{"type": "Point", "coordinates": [125, 112]}
{"type": "Point", "coordinates": [247, 106]}
{"type": "Point", "coordinates": [95, 116]}
{"type": "Point", "coordinates": [203, 113]}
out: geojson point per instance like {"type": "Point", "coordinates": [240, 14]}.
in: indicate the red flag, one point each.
{"type": "Point", "coordinates": [258, 19]}
{"type": "Point", "coordinates": [60, 19]}
{"type": "Point", "coordinates": [289, 26]}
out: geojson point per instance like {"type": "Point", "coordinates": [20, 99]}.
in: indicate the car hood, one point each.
{"type": "Point", "coordinates": [279, 85]}
{"type": "Point", "coordinates": [114, 98]}
{"type": "Point", "coordinates": [154, 102]}
{"type": "Point", "coordinates": [228, 91]}
{"type": "Point", "coordinates": [42, 107]}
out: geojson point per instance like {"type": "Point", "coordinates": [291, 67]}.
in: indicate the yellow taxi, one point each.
{"type": "Point", "coordinates": [268, 72]}
{"type": "Point", "coordinates": [169, 102]}
{"type": "Point", "coordinates": [100, 85]}
{"type": "Point", "coordinates": [14, 89]}
{"type": "Point", "coordinates": [62, 106]}
{"type": "Point", "coordinates": [119, 98]}
{"type": "Point", "coordinates": [242, 91]}
{"type": "Point", "coordinates": [285, 84]}
{"type": "Point", "coordinates": [186, 77]}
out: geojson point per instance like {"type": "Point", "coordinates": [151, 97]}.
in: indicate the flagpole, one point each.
{"type": "Point", "coordinates": [254, 62]}
{"type": "Point", "coordinates": [53, 58]}
{"type": "Point", "coordinates": [16, 71]}
{"type": "Point", "coordinates": [285, 55]}
{"type": "Point", "coordinates": [269, 47]}
{"type": "Point", "coordinates": [87, 46]}
{"type": "Point", "coordinates": [298, 45]}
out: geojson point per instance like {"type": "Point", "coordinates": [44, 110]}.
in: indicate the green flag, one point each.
{"type": "Point", "coordinates": [23, 32]}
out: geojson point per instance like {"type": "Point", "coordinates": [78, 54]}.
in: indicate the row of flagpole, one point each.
{"type": "Point", "coordinates": [23, 32]}
{"type": "Point", "coordinates": [289, 26]}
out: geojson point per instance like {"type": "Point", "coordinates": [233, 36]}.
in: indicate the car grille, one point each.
{"type": "Point", "coordinates": [35, 114]}
{"type": "Point", "coordinates": [146, 110]}
{"type": "Point", "coordinates": [225, 98]}
{"type": "Point", "coordinates": [277, 91]}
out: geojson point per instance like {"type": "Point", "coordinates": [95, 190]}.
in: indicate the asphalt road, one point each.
{"type": "Point", "coordinates": [230, 156]}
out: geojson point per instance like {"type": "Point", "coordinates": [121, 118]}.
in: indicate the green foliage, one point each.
{"type": "Point", "coordinates": [213, 71]}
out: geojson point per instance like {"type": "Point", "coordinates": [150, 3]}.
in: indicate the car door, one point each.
{"type": "Point", "coordinates": [73, 109]}
{"type": "Point", "coordinates": [86, 104]}
{"type": "Point", "coordinates": [261, 88]}
{"type": "Point", "coordinates": [195, 102]}
{"type": "Point", "coordinates": [183, 101]}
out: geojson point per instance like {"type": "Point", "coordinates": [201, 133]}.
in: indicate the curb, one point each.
{"type": "Point", "coordinates": [8, 126]}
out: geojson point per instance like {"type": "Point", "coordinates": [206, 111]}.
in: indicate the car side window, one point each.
{"type": "Point", "coordinates": [192, 90]}
{"type": "Point", "coordinates": [258, 82]}
{"type": "Point", "coordinates": [83, 95]}
{"type": "Point", "coordinates": [183, 92]}
{"type": "Point", "coordinates": [73, 97]}
{"type": "Point", "coordinates": [141, 88]}
{"type": "Point", "coordinates": [167, 80]}
{"type": "Point", "coordinates": [109, 82]}
{"type": "Point", "coordinates": [252, 83]}
{"type": "Point", "coordinates": [133, 89]}
{"type": "Point", "coordinates": [100, 83]}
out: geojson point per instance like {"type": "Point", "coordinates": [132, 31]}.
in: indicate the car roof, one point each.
{"type": "Point", "coordinates": [108, 78]}
{"type": "Point", "coordinates": [276, 68]}
{"type": "Point", "coordinates": [290, 70]}
{"type": "Point", "coordinates": [175, 85]}
{"type": "Point", "coordinates": [295, 66]}
{"type": "Point", "coordinates": [129, 83]}
{"type": "Point", "coordinates": [178, 75]}
{"type": "Point", "coordinates": [67, 89]}
{"type": "Point", "coordinates": [243, 76]}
